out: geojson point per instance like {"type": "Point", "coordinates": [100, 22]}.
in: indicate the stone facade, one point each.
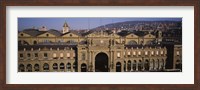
{"type": "Point", "coordinates": [98, 51]}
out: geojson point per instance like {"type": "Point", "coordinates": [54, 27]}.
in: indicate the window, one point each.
{"type": "Point", "coordinates": [83, 56]}
{"type": "Point", "coordinates": [46, 40]}
{"type": "Point", "coordinates": [36, 54]}
{"type": "Point", "coordinates": [47, 35]}
{"type": "Point", "coordinates": [28, 55]}
{"type": "Point", "coordinates": [68, 55]}
{"type": "Point", "coordinates": [34, 42]}
{"type": "Point", "coordinates": [146, 52]}
{"type": "Point", "coordinates": [61, 40]}
{"type": "Point", "coordinates": [62, 66]}
{"type": "Point", "coordinates": [157, 53]}
{"type": "Point", "coordinates": [134, 53]}
{"type": "Point", "coordinates": [45, 55]}
{"type": "Point", "coordinates": [139, 52]}
{"type": "Point", "coordinates": [61, 55]}
{"type": "Point", "coordinates": [177, 53]}
{"type": "Point", "coordinates": [152, 52]}
{"type": "Point", "coordinates": [70, 35]}
{"type": "Point", "coordinates": [129, 54]}
{"type": "Point", "coordinates": [54, 56]}
{"type": "Point", "coordinates": [55, 66]}
{"type": "Point", "coordinates": [46, 67]}
{"type": "Point", "coordinates": [161, 52]}
{"type": "Point", "coordinates": [21, 55]}
{"type": "Point", "coordinates": [118, 55]}
{"type": "Point", "coordinates": [22, 34]}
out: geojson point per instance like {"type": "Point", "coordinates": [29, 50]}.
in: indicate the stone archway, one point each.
{"type": "Point", "coordinates": [101, 62]}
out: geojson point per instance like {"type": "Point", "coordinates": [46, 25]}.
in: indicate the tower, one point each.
{"type": "Point", "coordinates": [65, 28]}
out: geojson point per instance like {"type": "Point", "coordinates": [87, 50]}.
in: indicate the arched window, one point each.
{"type": "Point", "coordinates": [62, 66]}
{"type": "Point", "coordinates": [36, 67]}
{"type": "Point", "coordinates": [83, 67]}
{"type": "Point", "coordinates": [46, 67]}
{"type": "Point", "coordinates": [55, 66]}
{"type": "Point", "coordinates": [124, 66]}
{"type": "Point", "coordinates": [134, 65]}
{"type": "Point", "coordinates": [129, 65]}
{"type": "Point", "coordinates": [34, 42]}
{"type": "Point", "coordinates": [68, 67]}
{"type": "Point", "coordinates": [21, 68]}
{"type": "Point", "coordinates": [146, 65]}
{"type": "Point", "coordinates": [118, 67]}
{"type": "Point", "coordinates": [132, 42]}
{"type": "Point", "coordinates": [29, 68]}
{"type": "Point", "coordinates": [140, 65]}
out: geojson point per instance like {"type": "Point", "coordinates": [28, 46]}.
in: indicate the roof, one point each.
{"type": "Point", "coordinates": [74, 32]}
{"type": "Point", "coordinates": [33, 32]}
{"type": "Point", "coordinates": [54, 32]}
{"type": "Point", "coordinates": [65, 24]}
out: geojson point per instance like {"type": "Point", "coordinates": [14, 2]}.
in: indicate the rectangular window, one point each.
{"type": "Point", "coordinates": [146, 52]}
{"type": "Point", "coordinates": [36, 54]}
{"type": "Point", "coordinates": [152, 52]}
{"type": "Point", "coordinates": [139, 53]}
{"type": "Point", "coordinates": [177, 53]}
{"type": "Point", "coordinates": [157, 52]}
{"type": "Point", "coordinates": [45, 55]}
{"type": "Point", "coordinates": [28, 55]}
{"type": "Point", "coordinates": [118, 55]}
{"type": "Point", "coordinates": [134, 53]}
{"type": "Point", "coordinates": [21, 55]}
{"type": "Point", "coordinates": [161, 52]}
{"type": "Point", "coordinates": [54, 55]}
{"type": "Point", "coordinates": [129, 54]}
{"type": "Point", "coordinates": [61, 54]}
{"type": "Point", "coordinates": [68, 55]}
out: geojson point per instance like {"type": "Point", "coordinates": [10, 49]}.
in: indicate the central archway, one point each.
{"type": "Point", "coordinates": [101, 62]}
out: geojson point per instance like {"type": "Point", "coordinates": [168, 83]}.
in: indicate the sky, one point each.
{"type": "Point", "coordinates": [78, 23]}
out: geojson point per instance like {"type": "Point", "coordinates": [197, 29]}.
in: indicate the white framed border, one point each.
{"type": "Point", "coordinates": [184, 77]}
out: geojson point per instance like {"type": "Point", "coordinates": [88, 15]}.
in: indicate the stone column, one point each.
{"type": "Point", "coordinates": [110, 65]}
{"type": "Point", "coordinates": [122, 67]}
{"type": "Point", "coordinates": [137, 66]}
{"type": "Point", "coordinates": [93, 61]}
{"type": "Point", "coordinates": [72, 67]}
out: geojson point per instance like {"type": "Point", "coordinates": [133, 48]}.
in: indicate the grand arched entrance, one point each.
{"type": "Point", "coordinates": [101, 62]}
